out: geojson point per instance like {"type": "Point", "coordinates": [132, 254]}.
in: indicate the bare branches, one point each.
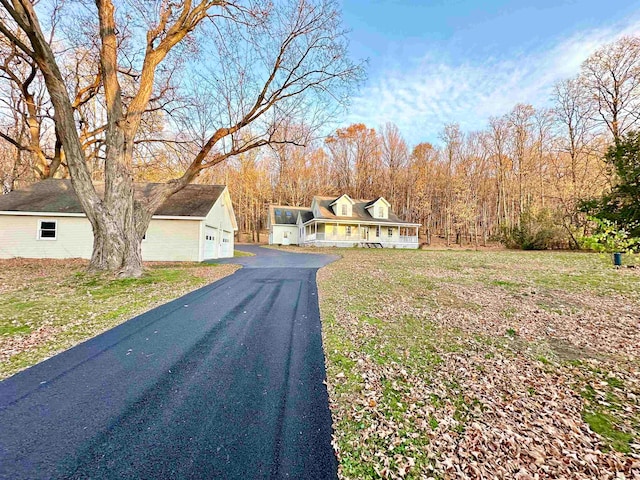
{"type": "Point", "coordinates": [120, 101]}
{"type": "Point", "coordinates": [611, 79]}
{"type": "Point", "coordinates": [307, 59]}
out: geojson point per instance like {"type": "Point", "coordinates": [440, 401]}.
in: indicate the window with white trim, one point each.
{"type": "Point", "coordinates": [344, 210]}
{"type": "Point", "coordinates": [47, 229]}
{"type": "Point", "coordinates": [390, 232]}
{"type": "Point", "coordinates": [380, 212]}
{"type": "Point", "coordinates": [378, 231]}
{"type": "Point", "coordinates": [348, 230]}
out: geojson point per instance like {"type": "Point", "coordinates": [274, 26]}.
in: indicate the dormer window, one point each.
{"type": "Point", "coordinates": [379, 208]}
{"type": "Point", "coordinates": [344, 210]}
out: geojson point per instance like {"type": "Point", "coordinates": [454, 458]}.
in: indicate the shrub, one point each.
{"type": "Point", "coordinates": [610, 237]}
{"type": "Point", "coordinates": [538, 230]}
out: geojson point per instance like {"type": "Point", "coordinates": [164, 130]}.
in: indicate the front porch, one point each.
{"type": "Point", "coordinates": [319, 234]}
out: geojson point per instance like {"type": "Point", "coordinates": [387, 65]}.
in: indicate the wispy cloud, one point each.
{"type": "Point", "coordinates": [422, 98]}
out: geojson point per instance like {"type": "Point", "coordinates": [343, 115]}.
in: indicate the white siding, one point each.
{"type": "Point", "coordinates": [167, 240]}
{"type": "Point", "coordinates": [172, 241]}
{"type": "Point", "coordinates": [315, 208]}
{"type": "Point", "coordinates": [219, 221]}
{"type": "Point", "coordinates": [19, 237]}
{"type": "Point", "coordinates": [278, 231]}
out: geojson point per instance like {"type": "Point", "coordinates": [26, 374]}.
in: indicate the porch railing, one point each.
{"type": "Point", "coordinates": [360, 238]}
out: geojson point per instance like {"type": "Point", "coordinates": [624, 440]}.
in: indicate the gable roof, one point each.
{"type": "Point", "coordinates": [284, 215]}
{"type": "Point", "coordinates": [306, 215]}
{"type": "Point", "coordinates": [341, 196]}
{"type": "Point", "coordinates": [379, 199]}
{"type": "Point", "coordinates": [58, 196]}
{"type": "Point", "coordinates": [359, 211]}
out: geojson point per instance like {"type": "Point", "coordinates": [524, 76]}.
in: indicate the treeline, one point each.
{"type": "Point", "coordinates": [531, 178]}
{"type": "Point", "coordinates": [526, 179]}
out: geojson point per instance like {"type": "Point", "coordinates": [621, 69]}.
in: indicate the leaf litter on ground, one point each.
{"type": "Point", "coordinates": [476, 365]}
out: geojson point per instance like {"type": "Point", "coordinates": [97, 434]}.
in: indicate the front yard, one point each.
{"type": "Point", "coordinates": [470, 364]}
{"type": "Point", "coordinates": [47, 306]}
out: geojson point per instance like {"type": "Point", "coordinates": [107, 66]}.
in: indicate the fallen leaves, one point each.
{"type": "Point", "coordinates": [434, 371]}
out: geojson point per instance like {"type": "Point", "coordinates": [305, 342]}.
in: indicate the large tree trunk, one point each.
{"type": "Point", "coordinates": [117, 238]}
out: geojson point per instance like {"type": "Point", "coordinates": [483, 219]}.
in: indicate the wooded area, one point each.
{"type": "Point", "coordinates": [526, 179]}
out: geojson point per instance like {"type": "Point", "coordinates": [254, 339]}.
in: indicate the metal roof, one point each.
{"type": "Point", "coordinates": [285, 215]}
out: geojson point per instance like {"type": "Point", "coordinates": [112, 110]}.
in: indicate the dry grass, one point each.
{"type": "Point", "coordinates": [454, 364]}
{"type": "Point", "coordinates": [47, 306]}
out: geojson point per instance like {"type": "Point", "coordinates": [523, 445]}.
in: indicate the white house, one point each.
{"type": "Point", "coordinates": [45, 220]}
{"type": "Point", "coordinates": [282, 224]}
{"type": "Point", "coordinates": [341, 222]}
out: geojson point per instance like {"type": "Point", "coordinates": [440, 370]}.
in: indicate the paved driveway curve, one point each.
{"type": "Point", "coordinates": [225, 382]}
{"type": "Point", "coordinates": [269, 258]}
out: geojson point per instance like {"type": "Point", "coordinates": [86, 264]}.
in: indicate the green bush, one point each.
{"type": "Point", "coordinates": [610, 237]}
{"type": "Point", "coordinates": [538, 230]}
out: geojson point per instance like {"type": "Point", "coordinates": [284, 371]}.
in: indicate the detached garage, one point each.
{"type": "Point", "coordinates": [45, 220]}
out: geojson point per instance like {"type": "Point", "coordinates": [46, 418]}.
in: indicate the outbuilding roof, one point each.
{"type": "Point", "coordinates": [58, 196]}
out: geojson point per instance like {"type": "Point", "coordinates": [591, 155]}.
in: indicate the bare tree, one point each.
{"type": "Point", "coordinates": [453, 138]}
{"type": "Point", "coordinates": [574, 114]}
{"type": "Point", "coordinates": [395, 156]}
{"type": "Point", "coordinates": [497, 144]}
{"type": "Point", "coordinates": [611, 77]}
{"type": "Point", "coordinates": [355, 151]}
{"type": "Point", "coordinates": [521, 123]}
{"type": "Point", "coordinates": [32, 132]}
{"type": "Point", "coordinates": [274, 61]}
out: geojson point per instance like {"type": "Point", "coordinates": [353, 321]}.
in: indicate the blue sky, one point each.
{"type": "Point", "coordinates": [441, 61]}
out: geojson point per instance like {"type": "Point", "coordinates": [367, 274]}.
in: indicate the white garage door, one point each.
{"type": "Point", "coordinates": [209, 243]}
{"type": "Point", "coordinates": [226, 245]}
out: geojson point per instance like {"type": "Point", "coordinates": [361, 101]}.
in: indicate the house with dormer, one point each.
{"type": "Point", "coordinates": [341, 222]}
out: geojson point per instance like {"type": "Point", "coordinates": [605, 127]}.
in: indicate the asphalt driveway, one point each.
{"type": "Point", "coordinates": [269, 258]}
{"type": "Point", "coordinates": [225, 382]}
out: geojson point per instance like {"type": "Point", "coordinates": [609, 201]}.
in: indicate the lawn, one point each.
{"type": "Point", "coordinates": [47, 306]}
{"type": "Point", "coordinates": [464, 364]}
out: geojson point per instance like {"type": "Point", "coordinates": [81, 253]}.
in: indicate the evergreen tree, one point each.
{"type": "Point", "coordinates": [622, 205]}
